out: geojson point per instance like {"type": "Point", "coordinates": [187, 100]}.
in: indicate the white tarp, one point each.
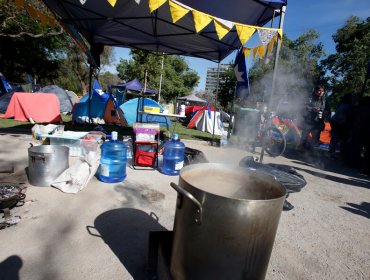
{"type": "Point", "coordinates": [77, 176]}
{"type": "Point", "coordinates": [205, 123]}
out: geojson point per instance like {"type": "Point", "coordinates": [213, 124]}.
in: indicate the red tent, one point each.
{"type": "Point", "coordinates": [24, 106]}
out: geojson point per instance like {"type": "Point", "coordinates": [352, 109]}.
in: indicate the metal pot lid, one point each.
{"type": "Point", "coordinates": [287, 175]}
{"type": "Point", "coordinates": [48, 149]}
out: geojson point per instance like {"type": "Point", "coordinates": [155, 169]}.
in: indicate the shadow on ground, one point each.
{"type": "Point", "coordinates": [10, 267]}
{"type": "Point", "coordinates": [321, 160]}
{"type": "Point", "coordinates": [126, 231]}
{"type": "Point", "coordinates": [362, 209]}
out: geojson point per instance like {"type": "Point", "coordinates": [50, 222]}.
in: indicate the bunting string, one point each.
{"type": "Point", "coordinates": [45, 20]}
{"type": "Point", "coordinates": [267, 36]}
{"type": "Point", "coordinates": [36, 14]}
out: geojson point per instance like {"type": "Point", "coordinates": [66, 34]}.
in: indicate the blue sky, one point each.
{"type": "Point", "coordinates": [326, 16]}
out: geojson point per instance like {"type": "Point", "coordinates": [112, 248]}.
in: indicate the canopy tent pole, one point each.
{"type": "Point", "coordinates": [160, 79]}
{"type": "Point", "coordinates": [214, 115]}
{"type": "Point", "coordinates": [90, 89]}
{"type": "Point", "coordinates": [281, 23]}
{"type": "Point", "coordinates": [232, 113]}
{"type": "Point", "coordinates": [143, 95]}
{"type": "Point", "coordinates": [141, 99]}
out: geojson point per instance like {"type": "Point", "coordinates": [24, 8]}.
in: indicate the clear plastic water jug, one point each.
{"type": "Point", "coordinates": [223, 140]}
{"type": "Point", "coordinates": [129, 153]}
{"type": "Point", "coordinates": [173, 156]}
{"type": "Point", "coordinates": [113, 159]}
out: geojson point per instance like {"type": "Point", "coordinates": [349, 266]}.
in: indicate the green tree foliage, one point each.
{"type": "Point", "coordinates": [25, 45]}
{"type": "Point", "coordinates": [107, 78]}
{"type": "Point", "coordinates": [46, 53]}
{"type": "Point", "coordinates": [227, 89]}
{"type": "Point", "coordinates": [74, 70]}
{"type": "Point", "coordinates": [348, 67]}
{"type": "Point", "coordinates": [178, 79]}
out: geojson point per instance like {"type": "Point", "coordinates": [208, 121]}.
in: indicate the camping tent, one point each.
{"type": "Point", "coordinates": [4, 101]}
{"type": "Point", "coordinates": [103, 108]}
{"type": "Point", "coordinates": [65, 101]}
{"type": "Point", "coordinates": [4, 85]}
{"type": "Point", "coordinates": [203, 120]}
{"type": "Point", "coordinates": [6, 93]}
{"type": "Point", "coordinates": [131, 107]}
{"type": "Point", "coordinates": [98, 103]}
{"type": "Point", "coordinates": [73, 96]}
{"type": "Point", "coordinates": [135, 86]}
{"type": "Point", "coordinates": [192, 98]}
{"type": "Point", "coordinates": [26, 106]}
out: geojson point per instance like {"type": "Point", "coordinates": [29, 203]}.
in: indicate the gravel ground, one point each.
{"type": "Point", "coordinates": [102, 232]}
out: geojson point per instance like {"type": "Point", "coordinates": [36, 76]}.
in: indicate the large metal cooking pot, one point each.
{"type": "Point", "coordinates": [46, 163]}
{"type": "Point", "coordinates": [225, 222]}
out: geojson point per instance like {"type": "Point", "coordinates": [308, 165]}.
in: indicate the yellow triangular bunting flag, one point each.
{"type": "Point", "coordinates": [19, 3]}
{"type": "Point", "coordinates": [177, 11]}
{"type": "Point", "coordinates": [201, 20]}
{"type": "Point", "coordinates": [255, 50]}
{"type": "Point", "coordinates": [112, 2]}
{"type": "Point", "coordinates": [271, 46]}
{"type": "Point", "coordinates": [51, 21]}
{"type": "Point", "coordinates": [266, 35]}
{"type": "Point", "coordinates": [261, 51]}
{"type": "Point", "coordinates": [280, 32]}
{"type": "Point", "coordinates": [43, 19]}
{"type": "Point", "coordinates": [221, 29]}
{"type": "Point", "coordinates": [31, 10]}
{"type": "Point", "coordinates": [155, 4]}
{"type": "Point", "coordinates": [244, 32]}
{"type": "Point", "coordinates": [247, 52]}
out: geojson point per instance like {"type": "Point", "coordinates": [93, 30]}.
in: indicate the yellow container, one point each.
{"type": "Point", "coordinates": [150, 109]}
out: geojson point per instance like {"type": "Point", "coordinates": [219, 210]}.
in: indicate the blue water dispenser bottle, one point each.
{"type": "Point", "coordinates": [113, 159]}
{"type": "Point", "coordinates": [173, 156]}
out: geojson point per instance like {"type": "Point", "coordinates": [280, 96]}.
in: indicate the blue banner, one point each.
{"type": "Point", "coordinates": [241, 73]}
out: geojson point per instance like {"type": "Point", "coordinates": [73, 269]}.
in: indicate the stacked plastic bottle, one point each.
{"type": "Point", "coordinates": [173, 156]}
{"type": "Point", "coordinates": [129, 153]}
{"type": "Point", "coordinates": [113, 159]}
{"type": "Point", "coordinates": [223, 140]}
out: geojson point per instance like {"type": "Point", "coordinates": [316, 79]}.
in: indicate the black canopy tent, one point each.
{"type": "Point", "coordinates": [130, 23]}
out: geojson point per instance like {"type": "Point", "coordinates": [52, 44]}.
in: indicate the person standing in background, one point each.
{"type": "Point", "coordinates": [340, 123]}
{"type": "Point", "coordinates": [316, 110]}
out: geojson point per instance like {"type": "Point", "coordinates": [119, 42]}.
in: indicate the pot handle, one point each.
{"type": "Point", "coordinates": [182, 191]}
{"type": "Point", "coordinates": [35, 157]}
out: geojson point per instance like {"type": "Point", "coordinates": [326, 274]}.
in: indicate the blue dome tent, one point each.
{"type": "Point", "coordinates": [131, 107]}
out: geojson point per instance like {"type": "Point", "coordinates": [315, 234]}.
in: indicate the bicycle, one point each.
{"type": "Point", "coordinates": [272, 139]}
